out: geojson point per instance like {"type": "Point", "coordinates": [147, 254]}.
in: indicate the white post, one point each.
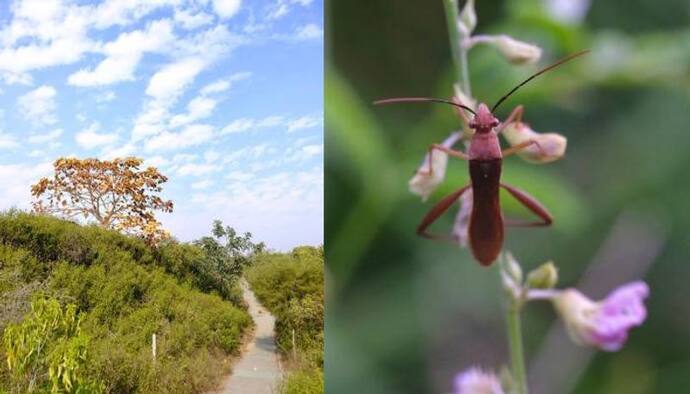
{"type": "Point", "coordinates": [153, 347]}
{"type": "Point", "coordinates": [294, 347]}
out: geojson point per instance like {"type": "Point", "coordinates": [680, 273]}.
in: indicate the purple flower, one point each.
{"type": "Point", "coordinates": [604, 324]}
{"type": "Point", "coordinates": [476, 381]}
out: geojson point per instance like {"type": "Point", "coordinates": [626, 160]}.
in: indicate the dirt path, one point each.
{"type": "Point", "coordinates": [258, 370]}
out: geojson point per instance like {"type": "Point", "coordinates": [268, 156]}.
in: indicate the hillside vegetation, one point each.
{"type": "Point", "coordinates": [291, 286]}
{"type": "Point", "coordinates": [79, 306]}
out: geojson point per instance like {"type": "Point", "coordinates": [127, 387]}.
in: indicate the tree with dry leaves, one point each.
{"type": "Point", "coordinates": [117, 194]}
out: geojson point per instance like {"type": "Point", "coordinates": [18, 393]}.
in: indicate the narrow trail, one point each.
{"type": "Point", "coordinates": [258, 370]}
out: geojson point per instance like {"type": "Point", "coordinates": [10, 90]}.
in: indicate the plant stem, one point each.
{"type": "Point", "coordinates": [457, 48]}
{"type": "Point", "coordinates": [517, 357]}
{"type": "Point", "coordinates": [465, 70]}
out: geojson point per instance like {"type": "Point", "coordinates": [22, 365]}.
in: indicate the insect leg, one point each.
{"type": "Point", "coordinates": [436, 212]}
{"type": "Point", "coordinates": [452, 152]}
{"type": "Point", "coordinates": [517, 148]}
{"type": "Point", "coordinates": [515, 116]}
{"type": "Point", "coordinates": [530, 203]}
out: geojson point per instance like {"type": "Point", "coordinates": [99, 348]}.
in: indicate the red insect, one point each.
{"type": "Point", "coordinates": [485, 159]}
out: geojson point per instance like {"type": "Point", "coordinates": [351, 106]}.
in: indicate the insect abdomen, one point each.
{"type": "Point", "coordinates": [486, 220]}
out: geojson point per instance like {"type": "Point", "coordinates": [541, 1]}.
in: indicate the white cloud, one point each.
{"type": "Point", "coordinates": [7, 141]}
{"type": "Point", "coordinates": [281, 8]}
{"type": "Point", "coordinates": [124, 12]}
{"type": "Point", "coordinates": [245, 124]}
{"type": "Point", "coordinates": [191, 21]}
{"type": "Point", "coordinates": [165, 87]}
{"type": "Point", "coordinates": [106, 97]}
{"type": "Point", "coordinates": [226, 8]}
{"type": "Point", "coordinates": [90, 138]}
{"type": "Point", "coordinates": [200, 185]}
{"type": "Point", "coordinates": [156, 161]}
{"type": "Point", "coordinates": [172, 79]}
{"type": "Point", "coordinates": [124, 54]}
{"type": "Point", "coordinates": [240, 176]}
{"type": "Point", "coordinates": [271, 207]}
{"type": "Point", "coordinates": [184, 157]}
{"type": "Point", "coordinates": [249, 152]}
{"type": "Point", "coordinates": [238, 126]}
{"type": "Point", "coordinates": [192, 135]}
{"type": "Point", "coordinates": [222, 85]}
{"type": "Point", "coordinates": [198, 108]}
{"type": "Point", "coordinates": [270, 121]}
{"type": "Point", "coordinates": [211, 155]}
{"type": "Point", "coordinates": [125, 150]}
{"type": "Point", "coordinates": [216, 87]}
{"type": "Point", "coordinates": [16, 180]}
{"type": "Point", "coordinates": [309, 32]}
{"type": "Point", "coordinates": [55, 32]}
{"type": "Point", "coordinates": [194, 169]}
{"type": "Point", "coordinates": [38, 105]}
{"type": "Point", "coordinates": [304, 122]}
{"type": "Point", "coordinates": [45, 137]}
{"type": "Point", "coordinates": [45, 33]}
{"type": "Point", "coordinates": [150, 120]}
{"type": "Point", "coordinates": [312, 150]}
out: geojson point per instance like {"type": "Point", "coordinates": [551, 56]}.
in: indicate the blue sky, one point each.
{"type": "Point", "coordinates": [223, 96]}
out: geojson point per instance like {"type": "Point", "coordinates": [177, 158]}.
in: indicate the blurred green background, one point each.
{"type": "Point", "coordinates": [405, 314]}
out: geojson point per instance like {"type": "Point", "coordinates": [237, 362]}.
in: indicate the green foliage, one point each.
{"type": "Point", "coordinates": [51, 240]}
{"type": "Point", "coordinates": [225, 255]}
{"type": "Point", "coordinates": [124, 292]}
{"type": "Point", "coordinates": [48, 351]}
{"type": "Point", "coordinates": [291, 287]}
{"type": "Point", "coordinates": [303, 381]}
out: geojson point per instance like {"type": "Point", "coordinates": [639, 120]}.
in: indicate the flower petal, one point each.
{"type": "Point", "coordinates": [476, 381]}
{"type": "Point", "coordinates": [424, 183]}
{"type": "Point", "coordinates": [549, 146]}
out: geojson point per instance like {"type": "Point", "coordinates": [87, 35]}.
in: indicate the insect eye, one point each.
{"type": "Point", "coordinates": [472, 124]}
{"type": "Point", "coordinates": [494, 123]}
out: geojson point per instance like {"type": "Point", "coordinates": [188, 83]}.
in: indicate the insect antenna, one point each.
{"type": "Point", "coordinates": [422, 100]}
{"type": "Point", "coordinates": [538, 73]}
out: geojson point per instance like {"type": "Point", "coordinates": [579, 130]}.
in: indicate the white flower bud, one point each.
{"type": "Point", "coordinates": [462, 98]}
{"type": "Point", "coordinates": [548, 147]}
{"type": "Point", "coordinates": [468, 19]}
{"type": "Point", "coordinates": [462, 219]}
{"type": "Point", "coordinates": [424, 183]}
{"type": "Point", "coordinates": [513, 268]}
{"type": "Point", "coordinates": [515, 51]}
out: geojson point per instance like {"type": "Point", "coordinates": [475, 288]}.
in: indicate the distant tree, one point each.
{"type": "Point", "coordinates": [228, 251]}
{"type": "Point", "coordinates": [308, 252]}
{"type": "Point", "coordinates": [117, 194]}
{"type": "Point", "coordinates": [259, 248]}
{"type": "Point", "coordinates": [238, 246]}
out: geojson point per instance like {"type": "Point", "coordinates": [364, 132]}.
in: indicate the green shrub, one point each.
{"type": "Point", "coordinates": [291, 287]}
{"type": "Point", "coordinates": [48, 351]}
{"type": "Point", "coordinates": [128, 304]}
{"type": "Point", "coordinates": [303, 381]}
{"type": "Point", "coordinates": [124, 292]}
{"type": "Point", "coordinates": [52, 240]}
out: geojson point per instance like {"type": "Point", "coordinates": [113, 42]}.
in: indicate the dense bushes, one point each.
{"type": "Point", "coordinates": [48, 351]}
{"type": "Point", "coordinates": [51, 240]}
{"type": "Point", "coordinates": [291, 287]}
{"type": "Point", "coordinates": [124, 292]}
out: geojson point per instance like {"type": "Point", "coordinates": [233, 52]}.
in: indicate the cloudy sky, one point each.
{"type": "Point", "coordinates": [223, 96]}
